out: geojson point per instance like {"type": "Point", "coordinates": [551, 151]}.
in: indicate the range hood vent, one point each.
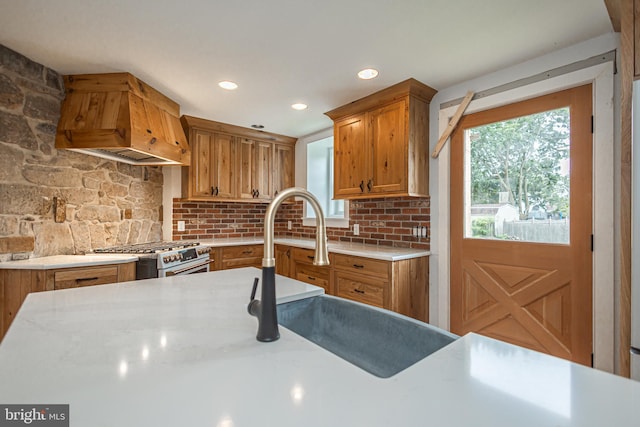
{"type": "Point", "coordinates": [119, 117]}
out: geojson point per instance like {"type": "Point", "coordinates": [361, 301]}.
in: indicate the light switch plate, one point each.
{"type": "Point", "coordinates": [180, 225]}
{"type": "Point", "coordinates": [356, 229]}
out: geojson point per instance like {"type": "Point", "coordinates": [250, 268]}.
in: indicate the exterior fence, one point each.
{"type": "Point", "coordinates": [545, 231]}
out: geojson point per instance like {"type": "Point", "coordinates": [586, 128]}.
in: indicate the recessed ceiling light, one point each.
{"type": "Point", "coordinates": [299, 106]}
{"type": "Point", "coordinates": [368, 73]}
{"type": "Point", "coordinates": [228, 85]}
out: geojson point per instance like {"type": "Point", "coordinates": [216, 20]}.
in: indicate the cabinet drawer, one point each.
{"type": "Point", "coordinates": [314, 275]}
{"type": "Point", "coordinates": [75, 278]}
{"type": "Point", "coordinates": [247, 251]}
{"type": "Point", "coordinates": [374, 267]}
{"type": "Point", "coordinates": [362, 289]}
{"type": "Point", "coordinates": [302, 255]}
{"type": "Point", "coordinates": [241, 262]}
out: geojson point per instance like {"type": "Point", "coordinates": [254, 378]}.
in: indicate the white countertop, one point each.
{"type": "Point", "coordinates": [67, 261]}
{"type": "Point", "coordinates": [385, 253]}
{"type": "Point", "coordinates": [182, 352]}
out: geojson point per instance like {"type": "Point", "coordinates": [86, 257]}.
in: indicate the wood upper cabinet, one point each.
{"type": "Point", "coordinates": [213, 159]}
{"type": "Point", "coordinates": [284, 167]}
{"type": "Point", "coordinates": [231, 164]}
{"type": "Point", "coordinates": [381, 143]}
{"type": "Point", "coordinates": [352, 159]}
{"type": "Point", "coordinates": [256, 169]}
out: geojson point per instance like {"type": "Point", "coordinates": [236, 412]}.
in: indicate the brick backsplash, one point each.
{"type": "Point", "coordinates": [382, 221]}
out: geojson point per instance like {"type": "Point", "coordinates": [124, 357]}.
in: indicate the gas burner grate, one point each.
{"type": "Point", "coordinates": [147, 248]}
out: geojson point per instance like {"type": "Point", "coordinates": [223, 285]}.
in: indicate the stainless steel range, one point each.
{"type": "Point", "coordinates": [164, 259]}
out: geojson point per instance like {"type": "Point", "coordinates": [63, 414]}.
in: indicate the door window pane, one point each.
{"type": "Point", "coordinates": [517, 179]}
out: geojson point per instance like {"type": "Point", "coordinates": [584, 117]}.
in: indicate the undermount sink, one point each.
{"type": "Point", "coordinates": [381, 342]}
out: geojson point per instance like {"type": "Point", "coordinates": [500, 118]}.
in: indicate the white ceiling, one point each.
{"type": "Point", "coordinates": [285, 51]}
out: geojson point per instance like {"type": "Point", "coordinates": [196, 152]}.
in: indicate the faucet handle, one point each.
{"type": "Point", "coordinates": [255, 287]}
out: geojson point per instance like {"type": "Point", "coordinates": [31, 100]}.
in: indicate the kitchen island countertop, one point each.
{"type": "Point", "coordinates": [182, 351]}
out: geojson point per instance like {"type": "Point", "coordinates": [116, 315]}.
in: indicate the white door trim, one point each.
{"type": "Point", "coordinates": [601, 76]}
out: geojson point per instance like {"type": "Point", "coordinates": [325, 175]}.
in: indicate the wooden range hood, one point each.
{"type": "Point", "coordinates": [119, 117]}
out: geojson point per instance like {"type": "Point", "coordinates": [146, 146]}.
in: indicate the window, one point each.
{"type": "Point", "coordinates": [320, 183]}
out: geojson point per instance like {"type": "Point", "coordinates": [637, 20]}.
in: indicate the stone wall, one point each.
{"type": "Point", "coordinates": [57, 201]}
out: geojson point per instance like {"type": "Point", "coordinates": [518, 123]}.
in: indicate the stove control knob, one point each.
{"type": "Point", "coordinates": [166, 259]}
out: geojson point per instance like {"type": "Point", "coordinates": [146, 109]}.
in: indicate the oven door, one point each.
{"type": "Point", "coordinates": [192, 267]}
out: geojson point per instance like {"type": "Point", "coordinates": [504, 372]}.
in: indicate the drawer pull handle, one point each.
{"type": "Point", "coordinates": [358, 266]}
{"type": "Point", "coordinates": [247, 252]}
{"type": "Point", "coordinates": [86, 279]}
{"type": "Point", "coordinates": [361, 186]}
{"type": "Point", "coordinates": [311, 278]}
{"type": "Point", "coordinates": [310, 257]}
{"type": "Point", "coordinates": [358, 291]}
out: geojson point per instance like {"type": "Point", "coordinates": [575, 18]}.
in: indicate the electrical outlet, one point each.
{"type": "Point", "coordinates": [356, 229]}
{"type": "Point", "coordinates": [424, 231]}
{"type": "Point", "coordinates": [414, 231]}
{"type": "Point", "coordinates": [289, 226]}
{"type": "Point", "coordinates": [180, 225]}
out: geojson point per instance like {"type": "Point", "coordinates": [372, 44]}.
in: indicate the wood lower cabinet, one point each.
{"type": "Point", "coordinates": [240, 256]}
{"type": "Point", "coordinates": [284, 260]}
{"type": "Point", "coordinates": [362, 279]}
{"type": "Point", "coordinates": [401, 286]}
{"type": "Point", "coordinates": [15, 285]}
{"type": "Point", "coordinates": [305, 271]}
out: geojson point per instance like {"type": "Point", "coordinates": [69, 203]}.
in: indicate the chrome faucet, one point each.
{"type": "Point", "coordinates": [265, 308]}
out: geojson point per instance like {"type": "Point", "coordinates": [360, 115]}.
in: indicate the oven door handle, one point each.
{"type": "Point", "coordinates": [191, 267]}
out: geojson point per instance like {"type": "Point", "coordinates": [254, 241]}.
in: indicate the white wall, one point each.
{"type": "Point", "coordinates": [439, 173]}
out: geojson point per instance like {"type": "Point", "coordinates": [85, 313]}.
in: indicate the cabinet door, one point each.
{"type": "Point", "coordinates": [352, 157]}
{"type": "Point", "coordinates": [389, 145]}
{"type": "Point", "coordinates": [283, 168]}
{"type": "Point", "coordinates": [246, 158]}
{"type": "Point", "coordinates": [283, 260]}
{"type": "Point", "coordinates": [263, 171]}
{"type": "Point", "coordinates": [201, 172]}
{"type": "Point", "coordinates": [223, 163]}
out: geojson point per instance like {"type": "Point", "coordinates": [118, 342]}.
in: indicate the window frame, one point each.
{"type": "Point", "coordinates": [301, 179]}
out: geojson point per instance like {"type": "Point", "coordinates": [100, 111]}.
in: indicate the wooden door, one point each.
{"type": "Point", "coordinates": [246, 159]}
{"type": "Point", "coordinates": [389, 142]}
{"type": "Point", "coordinates": [223, 163]}
{"type": "Point", "coordinates": [201, 173]}
{"type": "Point", "coordinates": [263, 171]}
{"type": "Point", "coordinates": [537, 295]}
{"type": "Point", "coordinates": [352, 157]}
{"type": "Point", "coordinates": [283, 168]}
